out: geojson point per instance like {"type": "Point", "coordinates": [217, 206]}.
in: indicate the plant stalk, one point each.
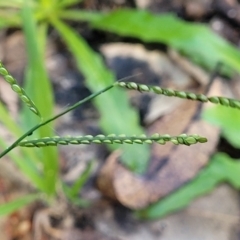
{"type": "Point", "coordinates": [29, 132]}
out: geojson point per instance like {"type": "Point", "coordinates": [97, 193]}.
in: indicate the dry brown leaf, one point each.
{"type": "Point", "coordinates": [170, 166]}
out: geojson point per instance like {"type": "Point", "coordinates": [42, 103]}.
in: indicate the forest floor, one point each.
{"type": "Point", "coordinates": [215, 216]}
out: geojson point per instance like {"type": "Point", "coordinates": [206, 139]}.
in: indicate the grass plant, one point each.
{"type": "Point", "coordinates": [40, 163]}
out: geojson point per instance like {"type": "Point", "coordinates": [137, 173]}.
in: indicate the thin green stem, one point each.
{"type": "Point", "coordinates": [29, 132]}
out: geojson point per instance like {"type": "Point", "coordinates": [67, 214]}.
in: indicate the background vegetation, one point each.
{"type": "Point", "coordinates": [38, 19]}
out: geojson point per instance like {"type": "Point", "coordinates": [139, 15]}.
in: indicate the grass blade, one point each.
{"type": "Point", "coordinates": [221, 169]}
{"type": "Point", "coordinates": [27, 166]}
{"type": "Point", "coordinates": [69, 3]}
{"type": "Point", "coordinates": [195, 40]}
{"type": "Point", "coordinates": [9, 20]}
{"type": "Point", "coordinates": [79, 15]}
{"type": "Point", "coordinates": [37, 83]}
{"type": "Point", "coordinates": [117, 115]}
{"type": "Point", "coordinates": [30, 158]}
{"type": "Point", "coordinates": [73, 191]}
{"type": "Point", "coordinates": [228, 120]}
{"type": "Point", "coordinates": [10, 207]}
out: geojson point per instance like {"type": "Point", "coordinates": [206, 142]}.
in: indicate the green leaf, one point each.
{"type": "Point", "coordinates": [228, 120]}
{"type": "Point", "coordinates": [68, 3]}
{"type": "Point", "coordinates": [47, 3]}
{"type": "Point", "coordinates": [27, 161]}
{"type": "Point", "coordinates": [83, 203]}
{"type": "Point", "coordinates": [220, 169]}
{"type": "Point", "coordinates": [195, 40]}
{"type": "Point", "coordinates": [27, 166]}
{"type": "Point", "coordinates": [73, 191]}
{"type": "Point", "coordinates": [11, 3]}
{"type": "Point", "coordinates": [9, 19]}
{"type": "Point", "coordinates": [8, 121]}
{"type": "Point", "coordinates": [10, 207]}
{"type": "Point", "coordinates": [230, 168]}
{"type": "Point", "coordinates": [116, 114]}
{"type": "Point", "coordinates": [39, 88]}
{"type": "Point", "coordinates": [79, 15]}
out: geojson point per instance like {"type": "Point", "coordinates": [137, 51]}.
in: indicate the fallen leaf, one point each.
{"type": "Point", "coordinates": [170, 167]}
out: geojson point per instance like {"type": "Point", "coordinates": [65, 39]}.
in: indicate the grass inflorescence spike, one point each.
{"type": "Point", "coordinates": [228, 102]}
{"type": "Point", "coordinates": [183, 139]}
{"type": "Point", "coordinates": [17, 89]}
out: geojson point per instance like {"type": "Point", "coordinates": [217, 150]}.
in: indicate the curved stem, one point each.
{"type": "Point", "coordinates": [29, 132]}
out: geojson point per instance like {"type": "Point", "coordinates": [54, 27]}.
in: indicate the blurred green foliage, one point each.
{"type": "Point", "coordinates": [194, 40]}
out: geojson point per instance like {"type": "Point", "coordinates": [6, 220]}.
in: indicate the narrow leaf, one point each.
{"type": "Point", "coordinates": [116, 114]}
{"type": "Point", "coordinates": [220, 169]}
{"type": "Point", "coordinates": [79, 15]}
{"type": "Point", "coordinates": [195, 40]}
{"type": "Point", "coordinates": [73, 191]}
{"type": "Point", "coordinates": [10, 207]}
{"type": "Point", "coordinates": [228, 120]}
{"type": "Point", "coordinates": [27, 161]}
{"type": "Point", "coordinates": [68, 3]}
{"type": "Point", "coordinates": [38, 84]}
{"type": "Point", "coordinates": [27, 166]}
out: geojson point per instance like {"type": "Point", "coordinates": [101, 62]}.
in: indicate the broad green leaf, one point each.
{"type": "Point", "coordinates": [228, 120]}
{"type": "Point", "coordinates": [10, 207]}
{"type": "Point", "coordinates": [195, 40]}
{"type": "Point", "coordinates": [39, 88]}
{"type": "Point", "coordinates": [220, 169]}
{"type": "Point", "coordinates": [116, 114]}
